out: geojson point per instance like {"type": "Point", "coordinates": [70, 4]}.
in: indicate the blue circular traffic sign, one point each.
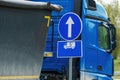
{"type": "Point", "coordinates": [70, 26]}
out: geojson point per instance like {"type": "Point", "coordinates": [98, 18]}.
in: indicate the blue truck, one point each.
{"type": "Point", "coordinates": [99, 40]}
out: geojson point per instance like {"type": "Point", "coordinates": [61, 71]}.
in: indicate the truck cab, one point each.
{"type": "Point", "coordinates": [98, 37]}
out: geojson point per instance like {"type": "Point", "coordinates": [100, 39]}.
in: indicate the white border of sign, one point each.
{"type": "Point", "coordinates": [80, 30]}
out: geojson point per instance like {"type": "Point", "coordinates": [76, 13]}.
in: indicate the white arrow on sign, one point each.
{"type": "Point", "coordinates": [69, 23]}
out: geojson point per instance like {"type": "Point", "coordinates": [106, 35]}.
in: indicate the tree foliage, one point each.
{"type": "Point", "coordinates": [113, 11]}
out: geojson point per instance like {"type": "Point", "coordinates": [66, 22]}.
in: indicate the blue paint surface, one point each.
{"type": "Point", "coordinates": [69, 49]}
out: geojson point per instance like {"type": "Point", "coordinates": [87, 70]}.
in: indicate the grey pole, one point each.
{"type": "Point", "coordinates": [70, 68]}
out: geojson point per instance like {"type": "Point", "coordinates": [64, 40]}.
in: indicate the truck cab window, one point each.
{"type": "Point", "coordinates": [104, 37]}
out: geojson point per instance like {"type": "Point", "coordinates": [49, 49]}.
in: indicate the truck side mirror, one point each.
{"type": "Point", "coordinates": [113, 36]}
{"type": "Point", "coordinates": [91, 5]}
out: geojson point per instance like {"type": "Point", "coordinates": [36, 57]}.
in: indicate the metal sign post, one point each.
{"type": "Point", "coordinates": [70, 68]}
{"type": "Point", "coordinates": [69, 28]}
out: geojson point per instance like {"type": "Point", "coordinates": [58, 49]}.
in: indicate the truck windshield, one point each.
{"type": "Point", "coordinates": [104, 37]}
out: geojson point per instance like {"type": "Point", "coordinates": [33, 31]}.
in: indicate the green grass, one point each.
{"type": "Point", "coordinates": [117, 65]}
{"type": "Point", "coordinates": [116, 77]}
{"type": "Point", "coordinates": [116, 68]}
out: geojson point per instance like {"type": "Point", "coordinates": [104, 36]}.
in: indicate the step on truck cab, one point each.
{"type": "Point", "coordinates": [99, 40]}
